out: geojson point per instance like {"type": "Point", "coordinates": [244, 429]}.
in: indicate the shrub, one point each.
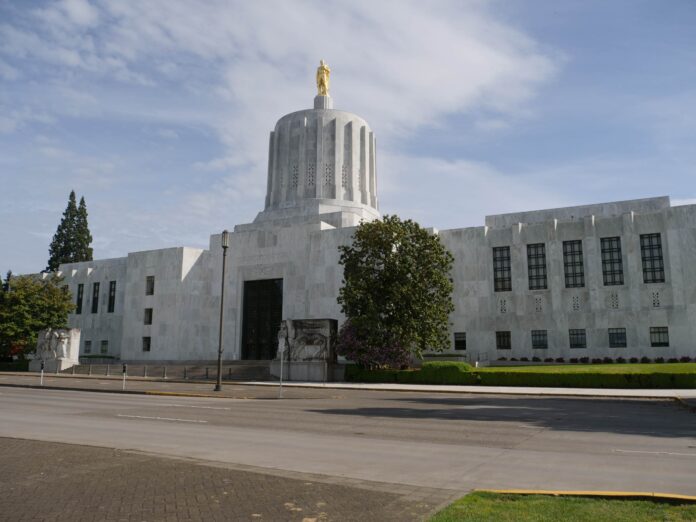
{"type": "Point", "coordinates": [354, 347]}
{"type": "Point", "coordinates": [502, 358]}
{"type": "Point", "coordinates": [620, 360]}
{"type": "Point", "coordinates": [596, 360]}
{"type": "Point", "coordinates": [673, 360]}
{"type": "Point", "coordinates": [685, 358]}
{"type": "Point", "coordinates": [645, 360]}
{"type": "Point", "coordinates": [513, 359]}
{"type": "Point", "coordinates": [607, 360]}
{"type": "Point", "coordinates": [560, 359]}
{"type": "Point", "coordinates": [660, 360]}
{"type": "Point", "coordinates": [584, 360]}
{"type": "Point", "coordinates": [548, 359]}
{"type": "Point", "coordinates": [534, 359]}
{"type": "Point", "coordinates": [574, 360]}
{"type": "Point", "coordinates": [525, 359]}
{"type": "Point", "coordinates": [633, 360]}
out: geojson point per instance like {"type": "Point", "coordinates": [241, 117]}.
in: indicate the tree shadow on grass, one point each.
{"type": "Point", "coordinates": [656, 418]}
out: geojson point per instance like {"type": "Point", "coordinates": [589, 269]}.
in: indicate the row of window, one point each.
{"type": "Point", "coordinates": [103, 347]}
{"type": "Point", "coordinates": [573, 263]}
{"type": "Point", "coordinates": [659, 337]}
{"type": "Point", "coordinates": [149, 290]}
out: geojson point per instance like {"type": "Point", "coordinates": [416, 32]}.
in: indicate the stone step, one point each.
{"type": "Point", "coordinates": [242, 371]}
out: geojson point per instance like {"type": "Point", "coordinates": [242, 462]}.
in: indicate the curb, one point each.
{"type": "Point", "coordinates": [98, 390]}
{"type": "Point", "coordinates": [637, 495]}
{"type": "Point", "coordinates": [681, 402]}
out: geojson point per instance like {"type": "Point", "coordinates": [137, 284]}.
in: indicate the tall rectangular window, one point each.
{"type": "Point", "coordinates": [150, 285]}
{"type": "Point", "coordinates": [80, 295]}
{"type": "Point", "coordinates": [104, 348]}
{"type": "Point", "coordinates": [612, 265]}
{"type": "Point", "coordinates": [112, 296]}
{"type": "Point", "coordinates": [659, 336]}
{"type": "Point", "coordinates": [536, 266]}
{"type": "Point", "coordinates": [88, 347]}
{"type": "Point", "coordinates": [460, 340]}
{"type": "Point", "coordinates": [503, 340]}
{"type": "Point", "coordinates": [651, 255]}
{"type": "Point", "coordinates": [147, 341]}
{"type": "Point", "coordinates": [578, 338]}
{"type": "Point", "coordinates": [95, 298]}
{"type": "Point", "coordinates": [617, 338]}
{"type": "Point", "coordinates": [147, 319]}
{"type": "Point", "coordinates": [573, 264]}
{"type": "Point", "coordinates": [540, 339]}
{"type": "Point", "coordinates": [502, 280]}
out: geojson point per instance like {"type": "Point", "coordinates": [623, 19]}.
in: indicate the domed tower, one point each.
{"type": "Point", "coordinates": [321, 161]}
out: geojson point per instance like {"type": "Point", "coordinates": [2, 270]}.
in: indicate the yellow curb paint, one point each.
{"type": "Point", "coordinates": [606, 494]}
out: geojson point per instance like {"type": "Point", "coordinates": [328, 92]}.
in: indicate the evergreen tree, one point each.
{"type": "Point", "coordinates": [71, 241]}
{"type": "Point", "coordinates": [83, 238]}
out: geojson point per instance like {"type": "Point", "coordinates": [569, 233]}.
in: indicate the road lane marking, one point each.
{"type": "Point", "coordinates": [657, 453]}
{"type": "Point", "coordinates": [189, 406]}
{"type": "Point", "coordinates": [161, 418]}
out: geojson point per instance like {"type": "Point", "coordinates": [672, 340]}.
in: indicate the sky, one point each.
{"type": "Point", "coordinates": [159, 112]}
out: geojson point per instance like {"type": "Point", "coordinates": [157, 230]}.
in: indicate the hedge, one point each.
{"type": "Point", "coordinates": [450, 372]}
{"type": "Point", "coordinates": [14, 366]}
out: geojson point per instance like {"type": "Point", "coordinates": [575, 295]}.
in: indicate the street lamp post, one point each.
{"type": "Point", "coordinates": [225, 239]}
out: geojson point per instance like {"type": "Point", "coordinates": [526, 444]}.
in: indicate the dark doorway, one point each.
{"type": "Point", "coordinates": [262, 313]}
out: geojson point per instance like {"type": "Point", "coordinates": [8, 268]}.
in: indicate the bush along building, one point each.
{"type": "Point", "coordinates": [610, 280]}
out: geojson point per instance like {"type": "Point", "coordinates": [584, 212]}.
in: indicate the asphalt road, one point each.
{"type": "Point", "coordinates": [454, 442]}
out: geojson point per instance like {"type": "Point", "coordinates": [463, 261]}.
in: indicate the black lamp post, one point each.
{"type": "Point", "coordinates": [225, 240]}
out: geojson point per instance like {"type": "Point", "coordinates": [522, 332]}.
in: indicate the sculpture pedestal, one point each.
{"type": "Point", "coordinates": [58, 349]}
{"type": "Point", "coordinates": [310, 354]}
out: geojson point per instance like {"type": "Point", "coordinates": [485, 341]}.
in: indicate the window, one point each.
{"type": "Point", "coordinates": [659, 336]}
{"type": "Point", "coordinates": [540, 339]}
{"type": "Point", "coordinates": [112, 297]}
{"type": "Point", "coordinates": [104, 348]}
{"type": "Point", "coordinates": [612, 265]}
{"type": "Point", "coordinates": [617, 338]}
{"type": "Point", "coordinates": [536, 266]}
{"type": "Point", "coordinates": [95, 298]}
{"type": "Point", "coordinates": [80, 294]}
{"type": "Point", "coordinates": [88, 347]}
{"type": "Point", "coordinates": [503, 340]}
{"type": "Point", "coordinates": [573, 265]}
{"type": "Point", "coordinates": [148, 316]}
{"type": "Point", "coordinates": [146, 343]}
{"type": "Point", "coordinates": [150, 285]}
{"type": "Point", "coordinates": [460, 340]}
{"type": "Point", "coordinates": [578, 338]}
{"type": "Point", "coordinates": [502, 280]}
{"type": "Point", "coordinates": [651, 255]}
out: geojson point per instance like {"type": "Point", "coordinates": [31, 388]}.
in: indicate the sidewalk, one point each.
{"type": "Point", "coordinates": [157, 386]}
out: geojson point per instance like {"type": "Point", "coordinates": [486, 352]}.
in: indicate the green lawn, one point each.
{"type": "Point", "coordinates": [598, 368]}
{"type": "Point", "coordinates": [541, 508]}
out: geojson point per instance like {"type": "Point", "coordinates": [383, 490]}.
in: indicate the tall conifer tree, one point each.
{"type": "Point", "coordinates": [71, 241]}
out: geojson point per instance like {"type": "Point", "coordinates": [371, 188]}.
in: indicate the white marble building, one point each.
{"type": "Point", "coordinates": [606, 280]}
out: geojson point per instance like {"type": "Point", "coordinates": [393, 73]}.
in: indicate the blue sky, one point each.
{"type": "Point", "coordinates": [158, 112]}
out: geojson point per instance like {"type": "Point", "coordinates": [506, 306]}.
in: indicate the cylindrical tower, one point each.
{"type": "Point", "coordinates": [321, 160]}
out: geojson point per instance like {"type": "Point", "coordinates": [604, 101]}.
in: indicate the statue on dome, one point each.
{"type": "Point", "coordinates": [323, 73]}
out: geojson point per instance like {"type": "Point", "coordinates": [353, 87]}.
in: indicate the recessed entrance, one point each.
{"type": "Point", "coordinates": [262, 313]}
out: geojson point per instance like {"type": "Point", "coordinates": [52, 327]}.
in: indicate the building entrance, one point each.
{"type": "Point", "coordinates": [262, 313]}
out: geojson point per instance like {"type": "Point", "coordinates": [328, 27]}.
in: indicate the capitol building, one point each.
{"type": "Point", "coordinates": [613, 279]}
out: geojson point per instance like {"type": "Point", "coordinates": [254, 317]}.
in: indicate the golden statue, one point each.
{"type": "Point", "coordinates": [323, 73]}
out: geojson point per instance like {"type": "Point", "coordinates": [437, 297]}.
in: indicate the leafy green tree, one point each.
{"type": "Point", "coordinates": [397, 290]}
{"type": "Point", "coordinates": [30, 304]}
{"type": "Point", "coordinates": [71, 241]}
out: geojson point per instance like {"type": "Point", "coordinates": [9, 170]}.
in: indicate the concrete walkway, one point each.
{"type": "Point", "coordinates": [205, 388]}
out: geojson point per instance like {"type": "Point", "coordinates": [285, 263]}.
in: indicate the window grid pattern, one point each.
{"type": "Point", "coordinates": [460, 340]}
{"type": "Point", "coordinates": [536, 266]}
{"type": "Point", "coordinates": [328, 174]}
{"type": "Point", "coordinates": [150, 285]}
{"type": "Point", "coordinates": [104, 348]}
{"type": "Point", "coordinates": [503, 340]}
{"type": "Point", "coordinates": [651, 255]}
{"type": "Point", "coordinates": [617, 338]}
{"type": "Point", "coordinates": [95, 298]}
{"type": "Point", "coordinates": [578, 338]}
{"type": "Point", "coordinates": [295, 176]}
{"type": "Point", "coordinates": [147, 342]}
{"type": "Point", "coordinates": [112, 296]}
{"type": "Point", "coordinates": [88, 347]}
{"type": "Point", "coordinates": [310, 175]}
{"type": "Point", "coordinates": [502, 278]}
{"type": "Point", "coordinates": [344, 175]}
{"type": "Point", "coordinates": [659, 336]}
{"type": "Point", "coordinates": [147, 319]}
{"type": "Point", "coordinates": [612, 264]}
{"type": "Point", "coordinates": [573, 264]}
{"type": "Point", "coordinates": [80, 295]}
{"type": "Point", "coordinates": [540, 339]}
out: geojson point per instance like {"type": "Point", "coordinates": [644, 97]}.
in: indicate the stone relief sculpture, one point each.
{"type": "Point", "coordinates": [57, 348]}
{"type": "Point", "coordinates": [323, 73]}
